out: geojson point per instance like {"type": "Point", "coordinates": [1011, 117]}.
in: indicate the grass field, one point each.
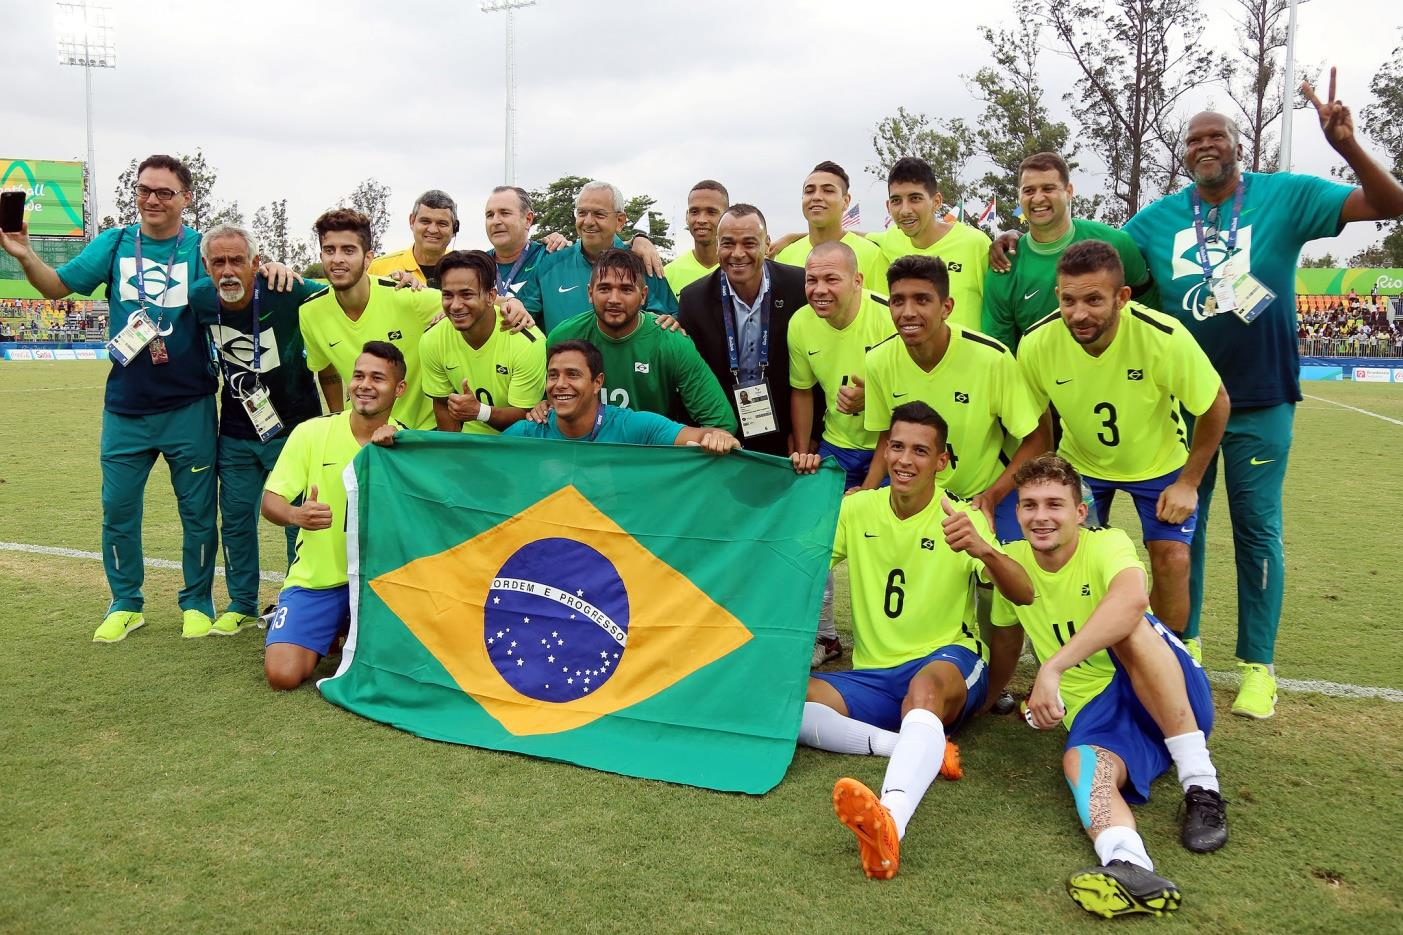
{"type": "Point", "coordinates": [158, 786]}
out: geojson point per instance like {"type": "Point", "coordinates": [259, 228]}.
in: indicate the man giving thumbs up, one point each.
{"type": "Point", "coordinates": [315, 606]}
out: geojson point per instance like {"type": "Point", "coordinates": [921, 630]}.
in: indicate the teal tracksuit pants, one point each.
{"type": "Point", "coordinates": [185, 437]}
{"type": "Point", "coordinates": [1253, 454]}
{"type": "Point", "coordinates": [244, 464]}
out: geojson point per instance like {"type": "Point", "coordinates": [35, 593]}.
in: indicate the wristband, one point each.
{"type": "Point", "coordinates": [484, 412]}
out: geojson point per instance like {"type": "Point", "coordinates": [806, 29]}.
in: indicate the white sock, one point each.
{"type": "Point", "coordinates": [827, 628]}
{"type": "Point", "coordinates": [920, 748]}
{"type": "Point", "coordinates": [826, 729]}
{"type": "Point", "coordinates": [1121, 843]}
{"type": "Point", "coordinates": [1190, 753]}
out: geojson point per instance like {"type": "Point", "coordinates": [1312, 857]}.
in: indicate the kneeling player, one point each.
{"type": "Point", "coordinates": [315, 605]}
{"type": "Point", "coordinates": [918, 666]}
{"type": "Point", "coordinates": [1131, 696]}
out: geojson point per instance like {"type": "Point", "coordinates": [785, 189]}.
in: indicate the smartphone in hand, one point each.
{"type": "Point", "coordinates": [11, 212]}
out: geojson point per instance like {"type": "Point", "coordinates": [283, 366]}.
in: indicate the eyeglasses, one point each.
{"type": "Point", "coordinates": [162, 194]}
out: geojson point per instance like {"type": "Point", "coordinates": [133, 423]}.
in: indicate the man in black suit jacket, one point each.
{"type": "Point", "coordinates": [742, 242]}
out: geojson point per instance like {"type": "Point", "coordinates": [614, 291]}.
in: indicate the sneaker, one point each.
{"type": "Point", "coordinates": [231, 622]}
{"type": "Point", "coordinates": [116, 625]}
{"type": "Point", "coordinates": [195, 624]}
{"type": "Point", "coordinates": [1004, 704]}
{"type": "Point", "coordinates": [1257, 696]}
{"type": "Point", "coordinates": [1205, 820]}
{"type": "Point", "coordinates": [878, 844]}
{"type": "Point", "coordinates": [1122, 888]}
{"type": "Point", "coordinates": [1192, 645]}
{"type": "Point", "coordinates": [950, 766]}
{"type": "Point", "coordinates": [826, 649]}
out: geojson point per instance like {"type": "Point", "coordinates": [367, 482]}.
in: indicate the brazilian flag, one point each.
{"type": "Point", "coordinates": [647, 611]}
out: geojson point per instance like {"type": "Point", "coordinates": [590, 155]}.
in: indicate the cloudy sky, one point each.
{"type": "Point", "coordinates": [303, 100]}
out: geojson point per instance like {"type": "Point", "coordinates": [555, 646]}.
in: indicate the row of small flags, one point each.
{"type": "Point", "coordinates": [985, 217]}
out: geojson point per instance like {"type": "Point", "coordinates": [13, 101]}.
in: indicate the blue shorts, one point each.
{"type": "Point", "coordinates": [1116, 720]}
{"type": "Point", "coordinates": [1145, 493]}
{"type": "Point", "coordinates": [856, 461]}
{"type": "Point", "coordinates": [1006, 528]}
{"type": "Point", "coordinates": [874, 696]}
{"type": "Point", "coordinates": [311, 617]}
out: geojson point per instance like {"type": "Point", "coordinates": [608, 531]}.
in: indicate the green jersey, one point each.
{"type": "Point", "coordinates": [508, 370]}
{"type": "Point", "coordinates": [653, 370]}
{"type": "Point", "coordinates": [821, 355]}
{"type": "Point", "coordinates": [911, 594]}
{"type": "Point", "coordinates": [1120, 411]}
{"type": "Point", "coordinates": [1063, 601]}
{"type": "Point", "coordinates": [1016, 300]}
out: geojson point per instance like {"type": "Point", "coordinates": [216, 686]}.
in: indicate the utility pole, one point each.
{"type": "Point", "coordinates": [85, 40]}
{"type": "Point", "coordinates": [1288, 93]}
{"type": "Point", "coordinates": [509, 7]}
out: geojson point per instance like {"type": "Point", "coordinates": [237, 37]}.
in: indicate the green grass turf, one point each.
{"type": "Point", "coordinates": [156, 785]}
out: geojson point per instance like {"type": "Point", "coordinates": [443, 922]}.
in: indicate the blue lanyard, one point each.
{"type": "Point", "coordinates": [141, 278]}
{"type": "Point", "coordinates": [504, 285]}
{"type": "Point", "coordinates": [728, 315]}
{"type": "Point", "coordinates": [257, 345]}
{"type": "Point", "coordinates": [1230, 241]}
{"type": "Point", "coordinates": [598, 423]}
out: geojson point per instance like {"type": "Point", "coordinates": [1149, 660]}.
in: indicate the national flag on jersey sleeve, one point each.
{"type": "Point", "coordinates": [852, 218]}
{"type": "Point", "coordinates": [647, 611]}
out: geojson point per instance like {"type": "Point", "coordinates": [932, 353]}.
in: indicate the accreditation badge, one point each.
{"type": "Point", "coordinates": [139, 332]}
{"type": "Point", "coordinates": [259, 406]}
{"type": "Point", "coordinates": [757, 413]}
{"type": "Point", "coordinates": [1251, 297]}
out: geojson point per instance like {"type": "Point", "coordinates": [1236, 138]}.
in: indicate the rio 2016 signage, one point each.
{"type": "Point", "coordinates": [1341, 281]}
{"type": "Point", "coordinates": [54, 194]}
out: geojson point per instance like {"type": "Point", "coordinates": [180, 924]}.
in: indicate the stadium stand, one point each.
{"type": "Point", "coordinates": [1348, 326]}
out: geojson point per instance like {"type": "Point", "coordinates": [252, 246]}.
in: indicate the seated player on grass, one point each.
{"type": "Point", "coordinates": [314, 607]}
{"type": "Point", "coordinates": [918, 667]}
{"type": "Point", "coordinates": [1131, 696]}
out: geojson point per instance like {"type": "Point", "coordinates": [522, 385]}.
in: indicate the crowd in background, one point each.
{"type": "Point", "coordinates": [52, 320]}
{"type": "Point", "coordinates": [1348, 326]}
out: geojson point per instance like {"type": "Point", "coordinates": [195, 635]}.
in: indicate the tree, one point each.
{"type": "Point", "coordinates": [555, 206]}
{"type": "Point", "coordinates": [947, 147]}
{"type": "Point", "coordinates": [1015, 121]}
{"type": "Point", "coordinates": [1253, 78]}
{"type": "Point", "coordinates": [657, 229]}
{"type": "Point", "coordinates": [1319, 262]}
{"type": "Point", "coordinates": [1137, 60]}
{"type": "Point", "coordinates": [1383, 123]}
{"type": "Point", "coordinates": [373, 200]}
{"type": "Point", "coordinates": [555, 211]}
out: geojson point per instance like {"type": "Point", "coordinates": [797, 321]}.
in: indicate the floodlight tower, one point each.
{"type": "Point", "coordinates": [1288, 92]}
{"type": "Point", "coordinates": [85, 40]}
{"type": "Point", "coordinates": [507, 7]}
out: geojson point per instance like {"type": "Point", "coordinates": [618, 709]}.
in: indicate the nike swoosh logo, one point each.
{"type": "Point", "coordinates": [328, 464]}
{"type": "Point", "coordinates": [450, 366]}
{"type": "Point", "coordinates": [899, 395]}
{"type": "Point", "coordinates": [571, 289]}
{"type": "Point", "coordinates": [869, 535]}
{"type": "Point", "coordinates": [1031, 294]}
{"type": "Point", "coordinates": [1061, 382]}
{"type": "Point", "coordinates": [333, 343]}
{"type": "Point", "coordinates": [812, 353]}
{"type": "Point", "coordinates": [195, 470]}
{"type": "Point", "coordinates": [1259, 461]}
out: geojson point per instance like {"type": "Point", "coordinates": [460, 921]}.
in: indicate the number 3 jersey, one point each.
{"type": "Point", "coordinates": [1120, 411]}
{"type": "Point", "coordinates": [508, 370]}
{"type": "Point", "coordinates": [1062, 602]}
{"type": "Point", "coordinates": [911, 594]}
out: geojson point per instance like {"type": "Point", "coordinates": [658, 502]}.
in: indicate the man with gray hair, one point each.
{"type": "Point", "coordinates": [267, 391]}
{"type": "Point", "coordinates": [558, 287]}
{"type": "Point", "coordinates": [434, 223]}
{"type": "Point", "coordinates": [1223, 252]}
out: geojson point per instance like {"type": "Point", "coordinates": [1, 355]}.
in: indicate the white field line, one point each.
{"type": "Point", "coordinates": [97, 556]}
{"type": "Point", "coordinates": [1317, 686]}
{"type": "Point", "coordinates": [1353, 408]}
